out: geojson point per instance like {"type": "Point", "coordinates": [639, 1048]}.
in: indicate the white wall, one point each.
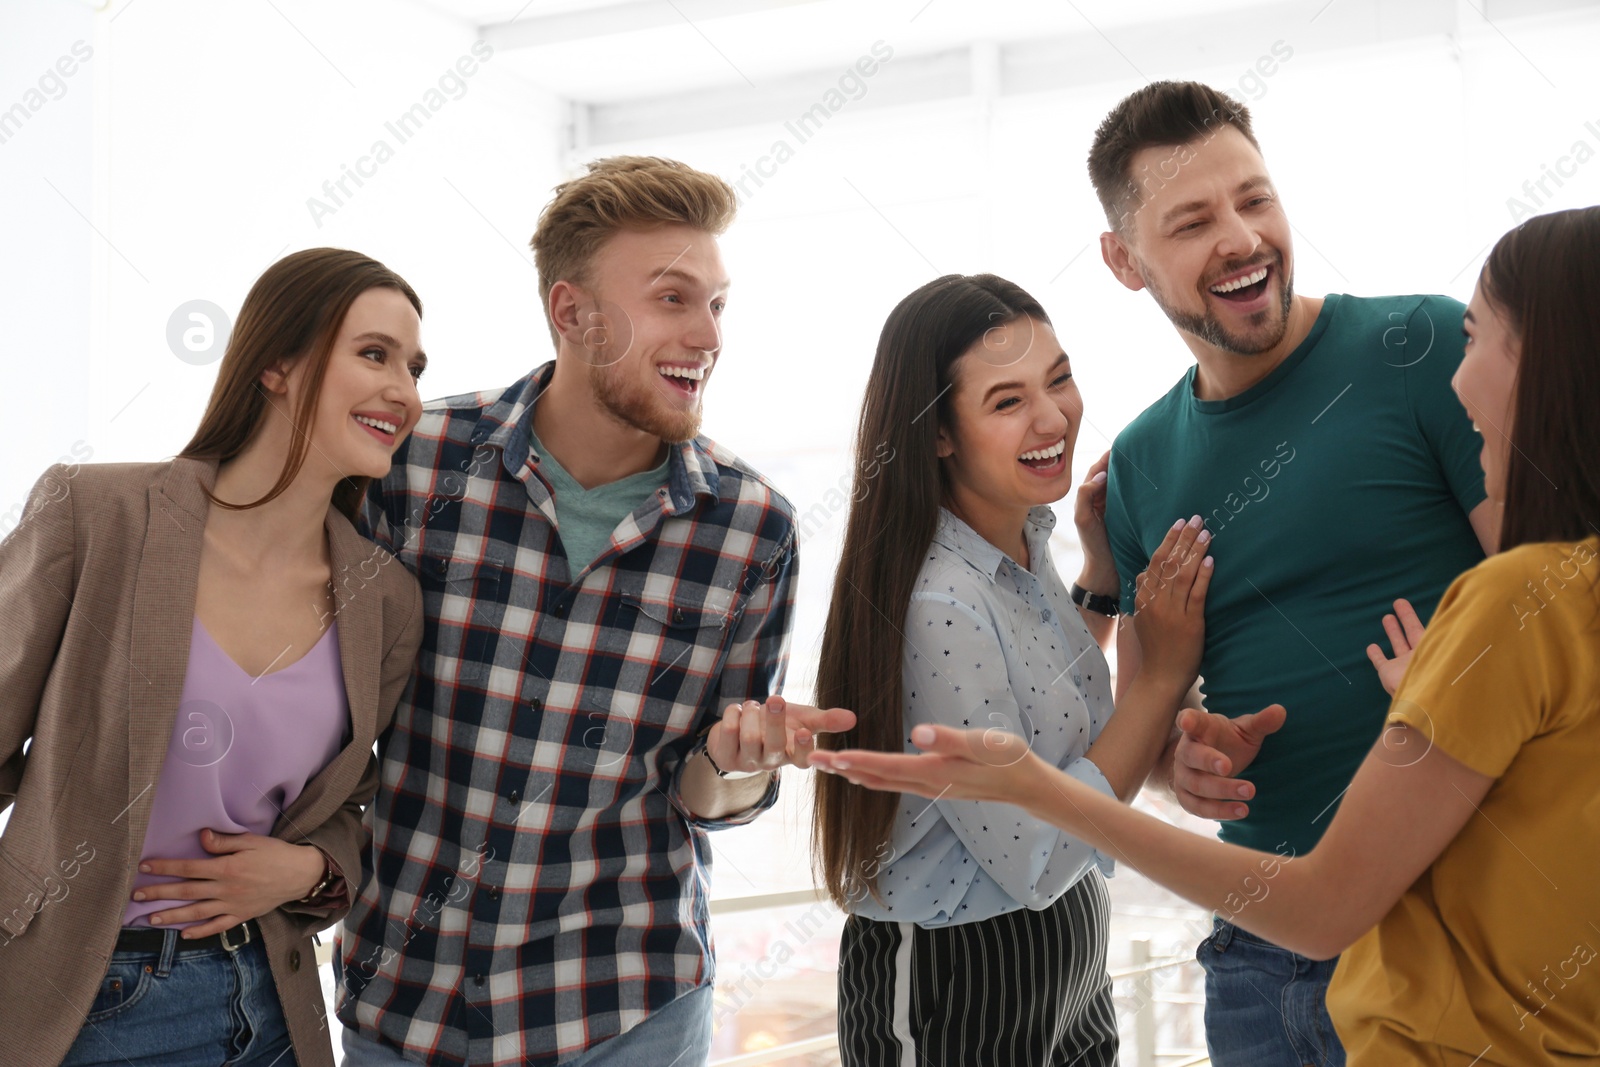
{"type": "Point", "coordinates": [191, 144]}
{"type": "Point", "coordinates": [46, 126]}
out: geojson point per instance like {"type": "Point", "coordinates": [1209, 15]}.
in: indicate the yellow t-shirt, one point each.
{"type": "Point", "coordinates": [1493, 956]}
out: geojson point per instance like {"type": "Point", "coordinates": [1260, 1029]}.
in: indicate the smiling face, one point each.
{"type": "Point", "coordinates": [650, 319]}
{"type": "Point", "coordinates": [1486, 382]}
{"type": "Point", "coordinates": [1210, 242]}
{"type": "Point", "coordinates": [1014, 416]}
{"type": "Point", "coordinates": [369, 400]}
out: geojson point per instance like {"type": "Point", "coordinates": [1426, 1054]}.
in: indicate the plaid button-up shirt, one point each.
{"type": "Point", "coordinates": [536, 884]}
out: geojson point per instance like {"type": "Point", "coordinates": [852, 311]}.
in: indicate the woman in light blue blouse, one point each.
{"type": "Point", "coordinates": [977, 934]}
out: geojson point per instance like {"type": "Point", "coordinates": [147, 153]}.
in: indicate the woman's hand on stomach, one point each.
{"type": "Point", "coordinates": [249, 876]}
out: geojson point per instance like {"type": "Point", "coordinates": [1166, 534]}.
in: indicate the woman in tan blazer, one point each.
{"type": "Point", "coordinates": [199, 655]}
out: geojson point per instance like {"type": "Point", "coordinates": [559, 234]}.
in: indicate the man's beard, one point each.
{"type": "Point", "coordinates": [631, 403]}
{"type": "Point", "coordinates": [1209, 329]}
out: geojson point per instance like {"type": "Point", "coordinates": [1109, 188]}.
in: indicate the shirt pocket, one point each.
{"type": "Point", "coordinates": [464, 604]}
{"type": "Point", "coordinates": [672, 651]}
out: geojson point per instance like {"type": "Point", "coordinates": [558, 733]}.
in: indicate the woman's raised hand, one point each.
{"type": "Point", "coordinates": [1405, 632]}
{"type": "Point", "coordinates": [1089, 516]}
{"type": "Point", "coordinates": [1169, 615]}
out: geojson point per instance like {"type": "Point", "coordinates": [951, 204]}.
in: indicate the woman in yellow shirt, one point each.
{"type": "Point", "coordinates": [1460, 877]}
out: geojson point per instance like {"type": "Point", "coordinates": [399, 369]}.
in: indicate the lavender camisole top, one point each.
{"type": "Point", "coordinates": [243, 749]}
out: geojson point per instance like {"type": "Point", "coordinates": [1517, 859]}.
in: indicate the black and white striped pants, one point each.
{"type": "Point", "coordinates": [1024, 989]}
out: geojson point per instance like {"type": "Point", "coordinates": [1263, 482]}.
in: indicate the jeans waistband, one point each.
{"type": "Point", "coordinates": [167, 946]}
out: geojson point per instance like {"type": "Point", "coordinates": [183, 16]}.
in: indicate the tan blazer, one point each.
{"type": "Point", "coordinates": [97, 595]}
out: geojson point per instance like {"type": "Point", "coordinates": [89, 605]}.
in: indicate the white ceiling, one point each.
{"type": "Point", "coordinates": [484, 12]}
{"type": "Point", "coordinates": [601, 52]}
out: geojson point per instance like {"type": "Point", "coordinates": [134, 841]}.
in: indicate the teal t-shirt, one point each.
{"type": "Point", "coordinates": [586, 518]}
{"type": "Point", "coordinates": [1336, 484]}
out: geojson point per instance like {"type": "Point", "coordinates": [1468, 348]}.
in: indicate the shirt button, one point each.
{"type": "Point", "coordinates": [294, 959]}
{"type": "Point", "coordinates": [515, 796]}
{"type": "Point", "coordinates": [494, 892]}
{"type": "Point", "coordinates": [478, 980]}
{"type": "Point", "coordinates": [677, 615]}
{"type": "Point", "coordinates": [559, 611]}
{"type": "Point", "coordinates": [538, 705]}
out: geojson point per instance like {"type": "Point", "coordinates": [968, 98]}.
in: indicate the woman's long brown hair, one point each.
{"type": "Point", "coordinates": [1544, 278]}
{"type": "Point", "coordinates": [898, 488]}
{"type": "Point", "coordinates": [293, 311]}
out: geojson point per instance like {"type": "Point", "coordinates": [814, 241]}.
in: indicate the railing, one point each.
{"type": "Point", "coordinates": [1143, 966]}
{"type": "Point", "coordinates": [1143, 1052]}
{"type": "Point", "coordinates": [766, 901]}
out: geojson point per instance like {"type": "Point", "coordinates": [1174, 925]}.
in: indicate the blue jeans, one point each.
{"type": "Point", "coordinates": [1265, 1006]}
{"type": "Point", "coordinates": [678, 1035]}
{"type": "Point", "coordinates": [194, 1009]}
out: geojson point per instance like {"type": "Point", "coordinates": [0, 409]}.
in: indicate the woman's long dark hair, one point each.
{"type": "Point", "coordinates": [293, 311]}
{"type": "Point", "coordinates": [893, 513]}
{"type": "Point", "coordinates": [1544, 278]}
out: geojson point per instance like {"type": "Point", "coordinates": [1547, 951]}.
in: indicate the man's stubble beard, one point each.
{"type": "Point", "coordinates": [630, 402]}
{"type": "Point", "coordinates": [1209, 329]}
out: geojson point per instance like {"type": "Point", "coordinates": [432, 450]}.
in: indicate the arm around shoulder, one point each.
{"type": "Point", "coordinates": [342, 838]}
{"type": "Point", "coordinates": [401, 655]}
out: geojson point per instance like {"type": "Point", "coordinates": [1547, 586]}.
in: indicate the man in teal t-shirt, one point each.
{"type": "Point", "coordinates": [1320, 441]}
{"type": "Point", "coordinates": [1339, 482]}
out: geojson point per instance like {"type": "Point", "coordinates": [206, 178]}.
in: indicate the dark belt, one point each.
{"type": "Point", "coordinates": [152, 939]}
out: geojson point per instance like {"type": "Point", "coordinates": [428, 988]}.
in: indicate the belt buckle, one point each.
{"type": "Point", "coordinates": [223, 937]}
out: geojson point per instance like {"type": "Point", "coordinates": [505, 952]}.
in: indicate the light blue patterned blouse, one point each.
{"type": "Point", "coordinates": [989, 644]}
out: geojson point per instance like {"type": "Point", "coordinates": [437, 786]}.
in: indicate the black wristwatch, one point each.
{"type": "Point", "coordinates": [1096, 602]}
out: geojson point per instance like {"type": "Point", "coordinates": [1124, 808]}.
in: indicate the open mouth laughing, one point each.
{"type": "Point", "coordinates": [382, 427]}
{"type": "Point", "coordinates": [1047, 461]}
{"type": "Point", "coordinates": [685, 379]}
{"type": "Point", "coordinates": [1244, 288]}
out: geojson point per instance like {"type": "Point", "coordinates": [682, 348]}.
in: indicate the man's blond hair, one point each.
{"type": "Point", "coordinates": [618, 193]}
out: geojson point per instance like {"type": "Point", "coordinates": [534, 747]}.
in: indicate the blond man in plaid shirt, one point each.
{"type": "Point", "coordinates": [609, 598]}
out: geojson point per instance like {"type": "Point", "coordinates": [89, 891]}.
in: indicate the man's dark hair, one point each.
{"type": "Point", "coordinates": [1162, 114]}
